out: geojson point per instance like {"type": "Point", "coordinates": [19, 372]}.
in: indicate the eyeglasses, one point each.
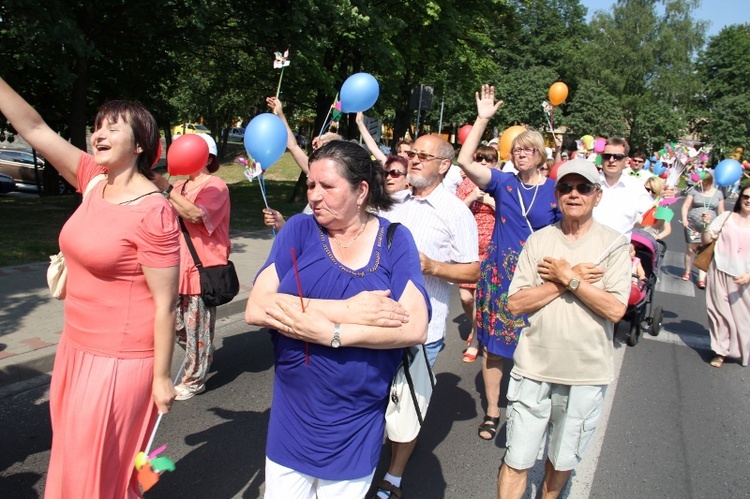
{"type": "Point", "coordinates": [637, 160]}
{"type": "Point", "coordinates": [526, 150]}
{"type": "Point", "coordinates": [481, 157]}
{"type": "Point", "coordinates": [395, 173]}
{"type": "Point", "coordinates": [650, 190]}
{"type": "Point", "coordinates": [423, 156]}
{"type": "Point", "coordinates": [581, 188]}
{"type": "Point", "coordinates": [607, 155]}
{"type": "Point", "coordinates": [745, 197]}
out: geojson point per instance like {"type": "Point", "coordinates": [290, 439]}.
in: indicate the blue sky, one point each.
{"type": "Point", "coordinates": [719, 13]}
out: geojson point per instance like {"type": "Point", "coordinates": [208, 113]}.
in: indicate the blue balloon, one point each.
{"type": "Point", "coordinates": [265, 139]}
{"type": "Point", "coordinates": [727, 172]}
{"type": "Point", "coordinates": [646, 165]}
{"type": "Point", "coordinates": [359, 93]}
{"type": "Point", "coordinates": [654, 159]}
{"type": "Point", "coordinates": [659, 168]}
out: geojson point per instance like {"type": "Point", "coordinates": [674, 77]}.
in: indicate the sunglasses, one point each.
{"type": "Point", "coordinates": [650, 190]}
{"type": "Point", "coordinates": [606, 156]}
{"type": "Point", "coordinates": [637, 161]}
{"type": "Point", "coordinates": [423, 156]}
{"type": "Point", "coordinates": [395, 173]}
{"type": "Point", "coordinates": [526, 150]}
{"type": "Point", "coordinates": [481, 157]}
{"type": "Point", "coordinates": [745, 197]}
{"type": "Point", "coordinates": [581, 188]}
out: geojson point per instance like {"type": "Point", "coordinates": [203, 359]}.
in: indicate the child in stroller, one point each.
{"type": "Point", "coordinates": [646, 253]}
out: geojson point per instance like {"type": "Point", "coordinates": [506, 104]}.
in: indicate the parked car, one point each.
{"type": "Point", "coordinates": [7, 184]}
{"type": "Point", "coordinates": [19, 165]}
{"type": "Point", "coordinates": [189, 128]}
{"type": "Point", "coordinates": [235, 134]}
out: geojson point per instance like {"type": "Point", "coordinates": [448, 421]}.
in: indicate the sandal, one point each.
{"type": "Point", "coordinates": [488, 426]}
{"type": "Point", "coordinates": [470, 357]}
{"type": "Point", "coordinates": [702, 284]}
{"type": "Point", "coordinates": [393, 491]}
{"type": "Point", "coordinates": [717, 361]}
{"type": "Point", "coordinates": [686, 276]}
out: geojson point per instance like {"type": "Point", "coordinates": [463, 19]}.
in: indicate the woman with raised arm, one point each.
{"type": "Point", "coordinates": [112, 366]}
{"type": "Point", "coordinates": [524, 203]}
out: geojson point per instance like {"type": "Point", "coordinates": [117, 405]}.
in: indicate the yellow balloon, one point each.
{"type": "Point", "coordinates": [140, 460]}
{"type": "Point", "coordinates": [558, 92]}
{"type": "Point", "coordinates": [589, 141]}
{"type": "Point", "coordinates": [506, 140]}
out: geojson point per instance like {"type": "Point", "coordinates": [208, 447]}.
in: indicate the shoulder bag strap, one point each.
{"type": "Point", "coordinates": [190, 246]}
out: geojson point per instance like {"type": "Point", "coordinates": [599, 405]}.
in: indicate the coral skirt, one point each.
{"type": "Point", "coordinates": [102, 414]}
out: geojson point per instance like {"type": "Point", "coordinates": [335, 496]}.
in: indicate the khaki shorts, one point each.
{"type": "Point", "coordinates": [533, 405]}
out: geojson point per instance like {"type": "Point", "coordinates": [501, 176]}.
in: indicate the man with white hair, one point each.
{"type": "Point", "coordinates": [572, 281]}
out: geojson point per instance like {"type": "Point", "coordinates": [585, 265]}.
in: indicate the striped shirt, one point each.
{"type": "Point", "coordinates": [444, 230]}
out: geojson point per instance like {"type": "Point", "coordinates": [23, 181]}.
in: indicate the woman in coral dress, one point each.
{"type": "Point", "coordinates": [111, 372]}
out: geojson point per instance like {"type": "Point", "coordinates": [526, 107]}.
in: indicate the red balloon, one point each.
{"type": "Point", "coordinates": [463, 132]}
{"type": "Point", "coordinates": [187, 155]}
{"type": "Point", "coordinates": [553, 171]}
{"type": "Point", "coordinates": [664, 175]}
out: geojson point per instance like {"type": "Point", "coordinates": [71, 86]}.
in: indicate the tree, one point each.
{"type": "Point", "coordinates": [646, 59]}
{"type": "Point", "coordinates": [593, 111]}
{"type": "Point", "coordinates": [725, 70]}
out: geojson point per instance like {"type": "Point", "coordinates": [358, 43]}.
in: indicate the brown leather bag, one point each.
{"type": "Point", "coordinates": [706, 251]}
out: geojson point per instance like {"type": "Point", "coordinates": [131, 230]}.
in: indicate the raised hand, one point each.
{"type": "Point", "coordinates": [486, 105]}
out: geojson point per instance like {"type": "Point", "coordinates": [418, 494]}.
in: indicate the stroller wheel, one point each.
{"type": "Point", "coordinates": [635, 331]}
{"type": "Point", "coordinates": [656, 321]}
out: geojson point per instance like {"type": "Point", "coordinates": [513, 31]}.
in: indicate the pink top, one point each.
{"type": "Point", "coordinates": [211, 236]}
{"type": "Point", "coordinates": [109, 309]}
{"type": "Point", "coordinates": [483, 214]}
{"type": "Point", "coordinates": [731, 254]}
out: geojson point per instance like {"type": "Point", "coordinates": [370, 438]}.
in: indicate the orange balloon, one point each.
{"type": "Point", "coordinates": [558, 92]}
{"type": "Point", "coordinates": [506, 140]}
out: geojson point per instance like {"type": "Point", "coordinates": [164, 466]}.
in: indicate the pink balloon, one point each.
{"type": "Point", "coordinates": [599, 144]}
{"type": "Point", "coordinates": [695, 177]}
{"type": "Point", "coordinates": [187, 155]}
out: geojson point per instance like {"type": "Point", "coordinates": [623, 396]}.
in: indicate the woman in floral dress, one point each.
{"type": "Point", "coordinates": [525, 202]}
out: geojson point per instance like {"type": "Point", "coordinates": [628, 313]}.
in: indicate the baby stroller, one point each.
{"type": "Point", "coordinates": [643, 313]}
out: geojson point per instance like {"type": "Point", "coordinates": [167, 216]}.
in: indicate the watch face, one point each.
{"type": "Point", "coordinates": [335, 343]}
{"type": "Point", "coordinates": [573, 284]}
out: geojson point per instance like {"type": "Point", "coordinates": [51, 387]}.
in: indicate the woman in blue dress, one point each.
{"type": "Point", "coordinates": [525, 202]}
{"type": "Point", "coordinates": [336, 355]}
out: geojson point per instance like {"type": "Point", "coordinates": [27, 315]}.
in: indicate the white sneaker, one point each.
{"type": "Point", "coordinates": [184, 392]}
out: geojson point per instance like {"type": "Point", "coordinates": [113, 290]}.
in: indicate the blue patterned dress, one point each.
{"type": "Point", "coordinates": [497, 329]}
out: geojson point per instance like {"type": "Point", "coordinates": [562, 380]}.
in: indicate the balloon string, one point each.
{"type": "Point", "coordinates": [161, 415]}
{"type": "Point", "coordinates": [301, 301]}
{"type": "Point", "coordinates": [327, 123]}
{"type": "Point", "coordinates": [262, 185]}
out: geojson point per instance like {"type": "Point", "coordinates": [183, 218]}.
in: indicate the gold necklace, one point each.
{"type": "Point", "coordinates": [332, 238]}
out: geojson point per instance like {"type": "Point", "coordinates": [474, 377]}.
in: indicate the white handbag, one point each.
{"type": "Point", "coordinates": [57, 272]}
{"type": "Point", "coordinates": [409, 395]}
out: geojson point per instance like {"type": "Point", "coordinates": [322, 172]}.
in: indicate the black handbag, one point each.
{"type": "Point", "coordinates": [219, 284]}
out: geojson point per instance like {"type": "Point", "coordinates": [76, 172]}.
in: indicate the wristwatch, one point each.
{"type": "Point", "coordinates": [168, 191]}
{"type": "Point", "coordinates": [573, 284]}
{"type": "Point", "coordinates": [336, 341]}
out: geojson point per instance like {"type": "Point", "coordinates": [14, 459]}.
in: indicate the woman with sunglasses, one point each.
{"type": "Point", "coordinates": [728, 293]}
{"type": "Point", "coordinates": [396, 168]}
{"type": "Point", "coordinates": [525, 202]}
{"type": "Point", "coordinates": [482, 205]}
{"type": "Point", "coordinates": [701, 198]}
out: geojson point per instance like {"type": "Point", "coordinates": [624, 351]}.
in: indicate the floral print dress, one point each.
{"type": "Point", "coordinates": [519, 209]}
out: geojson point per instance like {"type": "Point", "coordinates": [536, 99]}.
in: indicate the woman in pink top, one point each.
{"type": "Point", "coordinates": [202, 201]}
{"type": "Point", "coordinates": [121, 245]}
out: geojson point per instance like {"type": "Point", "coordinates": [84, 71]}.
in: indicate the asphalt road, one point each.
{"type": "Point", "coordinates": [673, 426]}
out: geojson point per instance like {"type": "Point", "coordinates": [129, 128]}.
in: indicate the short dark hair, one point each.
{"type": "Point", "coordinates": [356, 165]}
{"type": "Point", "coordinates": [145, 130]}
{"type": "Point", "coordinates": [639, 154]}
{"type": "Point", "coordinates": [619, 141]}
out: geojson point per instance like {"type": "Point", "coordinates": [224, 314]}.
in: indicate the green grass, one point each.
{"type": "Point", "coordinates": [31, 226]}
